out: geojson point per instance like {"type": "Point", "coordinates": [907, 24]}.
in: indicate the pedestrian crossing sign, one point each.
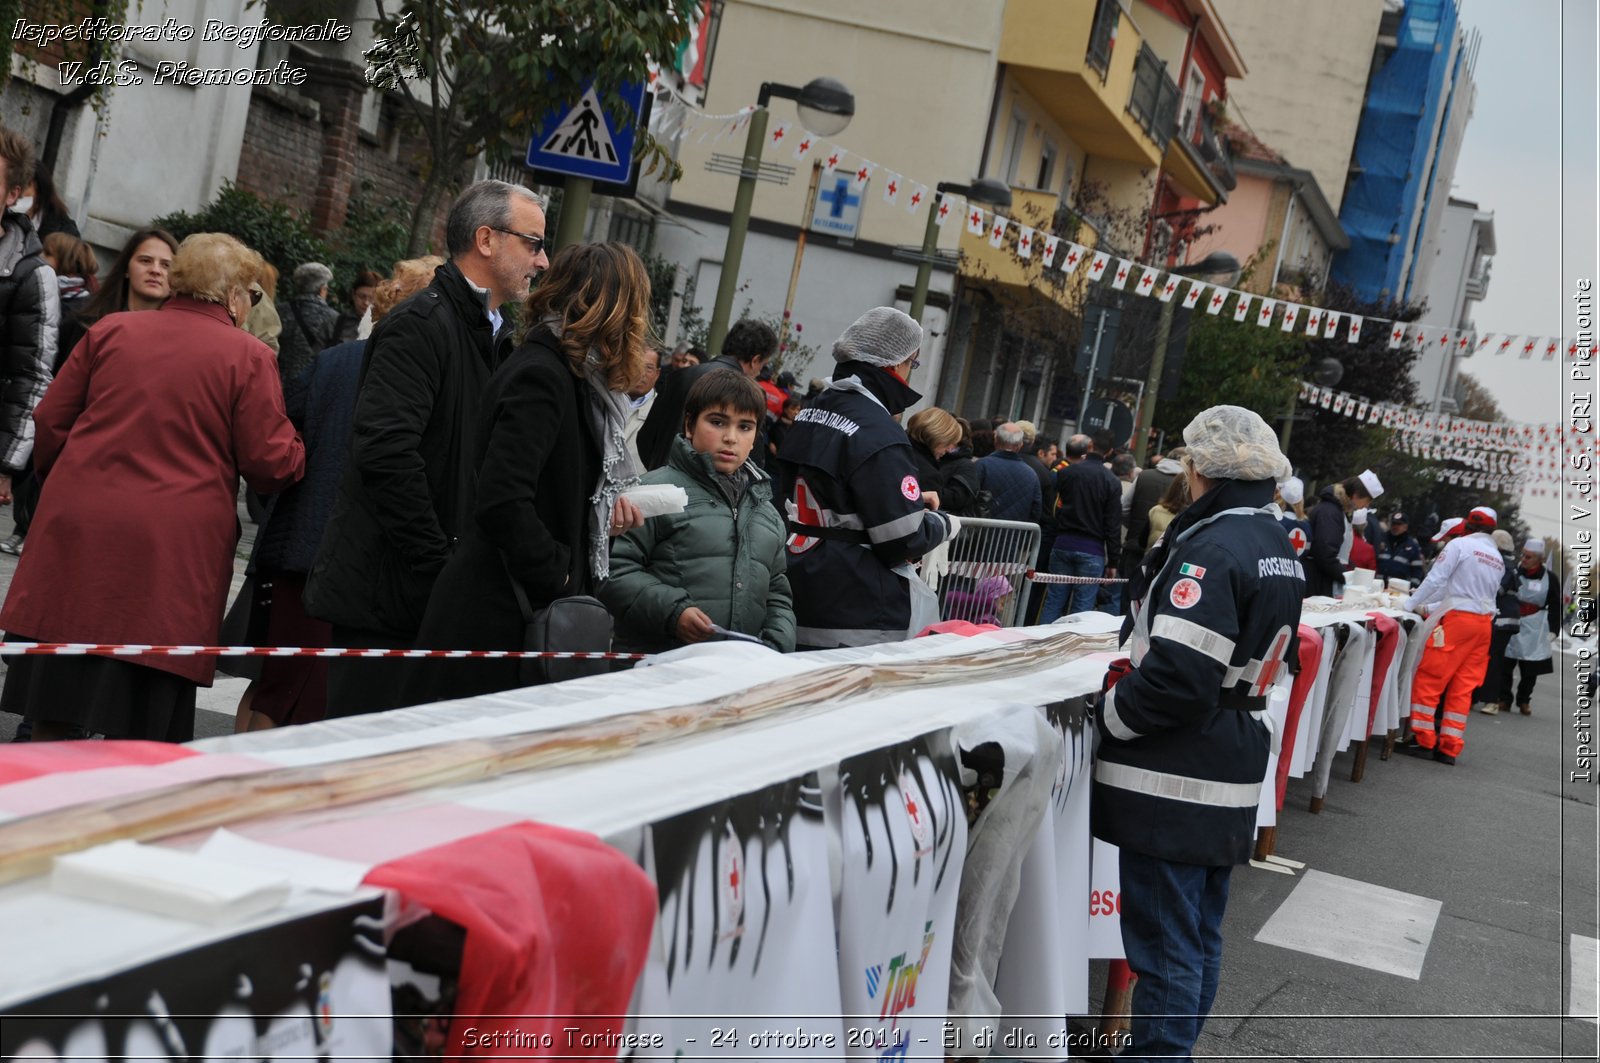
{"type": "Point", "coordinates": [580, 140]}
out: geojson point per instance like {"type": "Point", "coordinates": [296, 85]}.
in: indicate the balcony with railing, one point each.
{"type": "Point", "coordinates": [1154, 99]}
{"type": "Point", "coordinates": [1103, 36]}
{"type": "Point", "coordinates": [1199, 160]}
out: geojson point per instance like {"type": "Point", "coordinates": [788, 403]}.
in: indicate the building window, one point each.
{"type": "Point", "coordinates": [1193, 98]}
{"type": "Point", "coordinates": [1019, 131]}
{"type": "Point", "coordinates": [1047, 165]}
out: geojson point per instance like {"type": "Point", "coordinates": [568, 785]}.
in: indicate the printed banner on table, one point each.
{"type": "Point", "coordinates": [746, 928]}
{"type": "Point", "coordinates": [309, 988]}
{"type": "Point", "coordinates": [1043, 976]}
{"type": "Point", "coordinates": [1105, 903]}
{"type": "Point", "coordinates": [903, 827]}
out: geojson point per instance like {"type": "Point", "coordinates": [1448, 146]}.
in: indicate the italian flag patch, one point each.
{"type": "Point", "coordinates": [1191, 570]}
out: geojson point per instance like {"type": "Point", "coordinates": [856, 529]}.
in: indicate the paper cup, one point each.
{"type": "Point", "coordinates": [1360, 577]}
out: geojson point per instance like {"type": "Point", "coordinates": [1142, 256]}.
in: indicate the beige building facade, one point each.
{"type": "Point", "coordinates": [1309, 62]}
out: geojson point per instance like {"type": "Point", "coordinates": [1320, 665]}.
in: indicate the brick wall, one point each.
{"type": "Point", "coordinates": [285, 151]}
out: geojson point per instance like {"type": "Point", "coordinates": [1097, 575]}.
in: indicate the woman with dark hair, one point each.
{"type": "Point", "coordinates": [141, 441]}
{"type": "Point", "coordinates": [362, 291]}
{"type": "Point", "coordinates": [139, 277]}
{"type": "Point", "coordinates": [44, 206]}
{"type": "Point", "coordinates": [551, 463]}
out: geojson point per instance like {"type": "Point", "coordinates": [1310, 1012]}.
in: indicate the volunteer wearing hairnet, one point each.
{"type": "Point", "coordinates": [1539, 604]}
{"type": "Point", "coordinates": [857, 515]}
{"type": "Point", "coordinates": [1184, 735]}
{"type": "Point", "coordinates": [1290, 499]}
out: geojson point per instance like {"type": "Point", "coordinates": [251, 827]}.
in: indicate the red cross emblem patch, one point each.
{"type": "Point", "coordinates": [1297, 539]}
{"type": "Point", "coordinates": [1185, 593]}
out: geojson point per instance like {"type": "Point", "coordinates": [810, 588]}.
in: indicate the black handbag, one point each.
{"type": "Point", "coordinates": [575, 624]}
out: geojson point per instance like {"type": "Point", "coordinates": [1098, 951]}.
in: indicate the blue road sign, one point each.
{"type": "Point", "coordinates": [581, 141]}
{"type": "Point", "coordinates": [837, 209]}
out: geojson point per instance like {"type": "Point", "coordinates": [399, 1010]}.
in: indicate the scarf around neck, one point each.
{"type": "Point", "coordinates": [607, 412]}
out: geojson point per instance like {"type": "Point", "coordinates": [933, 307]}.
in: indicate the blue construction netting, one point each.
{"type": "Point", "coordinates": [1397, 130]}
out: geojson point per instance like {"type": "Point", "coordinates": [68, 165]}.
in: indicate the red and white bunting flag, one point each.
{"type": "Point", "coordinates": [803, 146]}
{"type": "Point", "coordinates": [1291, 314]}
{"type": "Point", "coordinates": [997, 230]}
{"type": "Point", "coordinates": [1353, 333]}
{"type": "Point", "coordinates": [1075, 255]}
{"type": "Point", "coordinates": [918, 196]}
{"type": "Point", "coordinates": [1313, 320]}
{"type": "Point", "coordinates": [1484, 341]}
{"type": "Point", "coordinates": [1241, 305]}
{"type": "Point", "coordinates": [1528, 344]}
{"type": "Point", "coordinates": [1025, 241]}
{"type": "Point", "coordinates": [1219, 296]}
{"type": "Point", "coordinates": [891, 187]}
{"type": "Point", "coordinates": [1119, 280]}
{"type": "Point", "coordinates": [1192, 296]}
{"type": "Point", "coordinates": [1147, 280]}
{"type": "Point", "coordinates": [1377, 413]}
{"type": "Point", "coordinates": [1168, 289]}
{"type": "Point", "coordinates": [831, 161]}
{"type": "Point", "coordinates": [777, 136]}
{"type": "Point", "coordinates": [1362, 409]}
{"type": "Point", "coordinates": [975, 224]}
{"type": "Point", "coordinates": [1051, 242]}
{"type": "Point", "coordinates": [1445, 336]}
{"type": "Point", "coordinates": [1264, 315]}
{"type": "Point", "coordinates": [1097, 266]}
{"type": "Point", "coordinates": [941, 213]}
{"type": "Point", "coordinates": [1551, 348]}
{"type": "Point", "coordinates": [1305, 391]}
{"type": "Point", "coordinates": [863, 174]}
{"type": "Point", "coordinates": [1397, 334]}
{"type": "Point", "coordinates": [1330, 325]}
{"type": "Point", "coordinates": [1327, 398]}
{"type": "Point", "coordinates": [1506, 343]}
{"type": "Point", "coordinates": [1464, 343]}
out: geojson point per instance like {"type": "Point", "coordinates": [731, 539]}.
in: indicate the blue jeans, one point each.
{"type": "Point", "coordinates": [1071, 563]}
{"type": "Point", "coordinates": [1172, 933]}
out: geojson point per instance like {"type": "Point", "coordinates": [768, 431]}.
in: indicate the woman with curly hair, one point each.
{"type": "Point", "coordinates": [551, 465]}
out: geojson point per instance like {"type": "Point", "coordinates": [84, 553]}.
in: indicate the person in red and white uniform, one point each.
{"type": "Point", "coordinates": [1461, 589]}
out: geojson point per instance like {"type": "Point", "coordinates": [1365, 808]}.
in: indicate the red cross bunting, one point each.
{"type": "Point", "coordinates": [1216, 300]}
{"type": "Point", "coordinates": [893, 188]}
{"type": "Point", "coordinates": [861, 174]}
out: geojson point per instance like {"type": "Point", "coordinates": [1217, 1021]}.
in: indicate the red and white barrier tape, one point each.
{"type": "Point", "coordinates": [1052, 577]}
{"type": "Point", "coordinates": [80, 649]}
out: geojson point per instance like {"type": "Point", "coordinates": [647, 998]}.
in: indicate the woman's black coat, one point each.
{"type": "Point", "coordinates": [537, 466]}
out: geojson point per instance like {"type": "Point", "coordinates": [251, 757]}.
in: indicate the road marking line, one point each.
{"type": "Point", "coordinates": [1584, 1002]}
{"type": "Point", "coordinates": [1355, 922]}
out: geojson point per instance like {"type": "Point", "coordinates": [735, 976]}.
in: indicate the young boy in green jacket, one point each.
{"type": "Point", "coordinates": [721, 561]}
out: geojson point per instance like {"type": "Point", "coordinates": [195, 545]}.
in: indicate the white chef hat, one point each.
{"type": "Point", "coordinates": [1292, 490]}
{"type": "Point", "coordinates": [1534, 546]}
{"type": "Point", "coordinates": [1359, 517]}
{"type": "Point", "coordinates": [1370, 481]}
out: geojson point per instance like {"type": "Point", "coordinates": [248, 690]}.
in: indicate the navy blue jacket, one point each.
{"type": "Point", "coordinates": [321, 402]}
{"type": "Point", "coordinates": [1324, 567]}
{"type": "Point", "coordinates": [855, 511]}
{"type": "Point", "coordinates": [1089, 504]}
{"type": "Point", "coordinates": [1213, 628]}
{"type": "Point", "coordinates": [1400, 557]}
{"type": "Point", "coordinates": [1013, 487]}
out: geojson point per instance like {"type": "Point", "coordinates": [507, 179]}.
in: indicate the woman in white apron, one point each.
{"type": "Point", "coordinates": [1539, 600]}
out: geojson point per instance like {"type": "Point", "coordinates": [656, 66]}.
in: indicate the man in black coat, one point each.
{"type": "Point", "coordinates": [407, 490]}
{"type": "Point", "coordinates": [1332, 533]}
{"type": "Point", "coordinates": [1088, 529]}
{"type": "Point", "coordinates": [1148, 489]}
{"type": "Point", "coordinates": [745, 350]}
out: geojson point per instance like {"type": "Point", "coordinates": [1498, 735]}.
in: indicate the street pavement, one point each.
{"type": "Point", "coordinates": [1450, 912]}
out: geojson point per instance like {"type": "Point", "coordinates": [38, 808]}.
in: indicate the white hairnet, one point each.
{"type": "Point", "coordinates": [1233, 443]}
{"type": "Point", "coordinates": [1292, 490]}
{"type": "Point", "coordinates": [882, 336]}
{"type": "Point", "coordinates": [1359, 517]}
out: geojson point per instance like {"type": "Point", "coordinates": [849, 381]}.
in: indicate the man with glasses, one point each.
{"type": "Point", "coordinates": [849, 479]}
{"type": "Point", "coordinates": [407, 489]}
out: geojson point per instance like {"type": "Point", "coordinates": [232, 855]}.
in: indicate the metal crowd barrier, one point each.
{"type": "Point", "coordinates": [981, 577]}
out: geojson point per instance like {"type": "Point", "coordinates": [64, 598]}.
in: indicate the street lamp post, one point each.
{"type": "Point", "coordinates": [825, 107]}
{"type": "Point", "coordinates": [1213, 264]}
{"type": "Point", "coordinates": [985, 190]}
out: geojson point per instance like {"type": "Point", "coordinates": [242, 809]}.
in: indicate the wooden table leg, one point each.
{"type": "Point", "coordinates": [1359, 768]}
{"type": "Point", "coordinates": [1266, 842]}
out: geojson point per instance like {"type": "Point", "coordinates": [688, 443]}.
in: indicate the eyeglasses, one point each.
{"type": "Point", "coordinates": [255, 296]}
{"type": "Point", "coordinates": [535, 243]}
{"type": "Point", "coordinates": [916, 363]}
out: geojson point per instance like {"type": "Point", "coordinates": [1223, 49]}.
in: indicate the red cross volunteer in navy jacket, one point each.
{"type": "Point", "coordinates": [856, 511]}
{"type": "Point", "coordinates": [1184, 735]}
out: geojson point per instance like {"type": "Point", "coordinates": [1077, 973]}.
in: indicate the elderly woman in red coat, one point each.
{"type": "Point", "coordinates": [141, 440]}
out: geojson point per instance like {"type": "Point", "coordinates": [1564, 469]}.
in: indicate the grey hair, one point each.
{"type": "Point", "coordinates": [1077, 446]}
{"type": "Point", "coordinates": [484, 203]}
{"type": "Point", "coordinates": [1122, 465]}
{"type": "Point", "coordinates": [1009, 436]}
{"type": "Point", "coordinates": [311, 277]}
